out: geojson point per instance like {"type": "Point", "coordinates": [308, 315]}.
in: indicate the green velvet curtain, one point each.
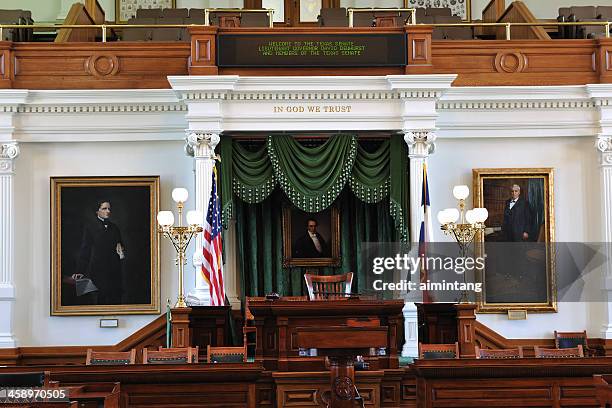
{"type": "Point", "coordinates": [313, 177]}
{"type": "Point", "coordinates": [368, 181]}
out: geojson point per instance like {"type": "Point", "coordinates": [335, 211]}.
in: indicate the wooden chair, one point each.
{"type": "Point", "coordinates": [573, 339]}
{"type": "Point", "coordinates": [226, 354]}
{"type": "Point", "coordinates": [438, 351]}
{"type": "Point", "coordinates": [499, 353]}
{"type": "Point", "coordinates": [329, 287]}
{"type": "Point", "coordinates": [575, 352]}
{"type": "Point", "coordinates": [249, 331]}
{"type": "Point", "coordinates": [110, 357]}
{"type": "Point", "coordinates": [179, 355]}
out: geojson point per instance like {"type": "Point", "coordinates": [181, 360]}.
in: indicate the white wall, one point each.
{"type": "Point", "coordinates": [45, 10]}
{"type": "Point", "coordinates": [37, 162]}
{"type": "Point", "coordinates": [541, 8]}
{"type": "Point", "coordinates": [577, 209]}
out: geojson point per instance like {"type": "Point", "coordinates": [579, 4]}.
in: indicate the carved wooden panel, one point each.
{"type": "Point", "coordinates": [97, 65]}
{"type": "Point", "coordinates": [307, 394]}
{"type": "Point", "coordinates": [517, 62]}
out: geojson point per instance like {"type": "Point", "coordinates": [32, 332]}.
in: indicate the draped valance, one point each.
{"type": "Point", "coordinates": [313, 177]}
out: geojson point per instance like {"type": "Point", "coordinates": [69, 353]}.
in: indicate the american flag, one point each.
{"type": "Point", "coordinates": [426, 232]}
{"type": "Point", "coordinates": [212, 266]}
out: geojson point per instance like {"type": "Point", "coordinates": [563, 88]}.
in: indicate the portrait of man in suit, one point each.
{"type": "Point", "coordinates": [311, 244]}
{"type": "Point", "coordinates": [311, 239]}
{"type": "Point", "coordinates": [516, 226]}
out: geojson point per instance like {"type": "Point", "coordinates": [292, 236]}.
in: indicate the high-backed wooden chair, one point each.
{"type": "Point", "coordinates": [571, 340]}
{"type": "Point", "coordinates": [574, 352]}
{"type": "Point", "coordinates": [226, 354]}
{"type": "Point", "coordinates": [328, 287]}
{"type": "Point", "coordinates": [179, 355]}
{"type": "Point", "coordinates": [438, 351]}
{"type": "Point", "coordinates": [249, 331]}
{"type": "Point", "coordinates": [110, 357]}
{"type": "Point", "coordinates": [499, 353]}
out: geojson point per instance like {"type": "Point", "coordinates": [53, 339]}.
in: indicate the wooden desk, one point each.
{"type": "Point", "coordinates": [278, 323]}
{"type": "Point", "coordinates": [528, 382]}
{"type": "Point", "coordinates": [603, 390]}
{"type": "Point", "coordinates": [144, 385]}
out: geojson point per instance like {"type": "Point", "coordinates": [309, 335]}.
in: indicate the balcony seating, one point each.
{"type": "Point", "coordinates": [333, 17]}
{"type": "Point", "coordinates": [451, 33]}
{"type": "Point", "coordinates": [138, 34]}
{"type": "Point", "coordinates": [438, 351]}
{"type": "Point", "coordinates": [363, 19]}
{"type": "Point", "coordinates": [167, 33]}
{"type": "Point", "coordinates": [149, 13]}
{"type": "Point", "coordinates": [438, 11]}
{"type": "Point", "coordinates": [254, 20]}
{"type": "Point", "coordinates": [175, 13]}
{"type": "Point", "coordinates": [22, 17]}
{"type": "Point", "coordinates": [583, 14]}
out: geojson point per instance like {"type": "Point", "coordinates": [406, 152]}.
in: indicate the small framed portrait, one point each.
{"type": "Point", "coordinates": [126, 9]}
{"type": "Point", "coordinates": [311, 239]}
{"type": "Point", "coordinates": [519, 270]}
{"type": "Point", "coordinates": [104, 245]}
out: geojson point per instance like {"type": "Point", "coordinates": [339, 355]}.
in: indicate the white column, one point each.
{"type": "Point", "coordinates": [8, 152]}
{"type": "Point", "coordinates": [601, 94]}
{"type": "Point", "coordinates": [604, 145]}
{"type": "Point", "coordinates": [202, 144]}
{"type": "Point", "coordinates": [420, 144]}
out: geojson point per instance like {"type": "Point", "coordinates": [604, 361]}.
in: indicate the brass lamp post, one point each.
{"type": "Point", "coordinates": [470, 223]}
{"type": "Point", "coordinates": [180, 235]}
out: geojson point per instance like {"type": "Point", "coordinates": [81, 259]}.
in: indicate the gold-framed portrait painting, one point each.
{"type": "Point", "coordinates": [126, 9]}
{"type": "Point", "coordinates": [520, 270]}
{"type": "Point", "coordinates": [311, 239]}
{"type": "Point", "coordinates": [104, 245]}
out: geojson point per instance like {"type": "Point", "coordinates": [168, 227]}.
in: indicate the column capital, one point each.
{"type": "Point", "coordinates": [8, 152]}
{"type": "Point", "coordinates": [201, 144]}
{"type": "Point", "coordinates": [421, 142]}
{"type": "Point", "coordinates": [604, 145]}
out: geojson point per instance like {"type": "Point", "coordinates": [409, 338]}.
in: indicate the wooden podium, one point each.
{"type": "Point", "coordinates": [282, 323]}
{"type": "Point", "coordinates": [343, 344]}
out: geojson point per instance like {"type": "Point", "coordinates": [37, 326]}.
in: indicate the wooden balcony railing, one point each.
{"type": "Point", "coordinates": [146, 64]}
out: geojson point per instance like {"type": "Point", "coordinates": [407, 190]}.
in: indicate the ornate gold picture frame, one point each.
{"type": "Point", "coordinates": [311, 239]}
{"type": "Point", "coordinates": [104, 245]}
{"type": "Point", "coordinates": [520, 270]}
